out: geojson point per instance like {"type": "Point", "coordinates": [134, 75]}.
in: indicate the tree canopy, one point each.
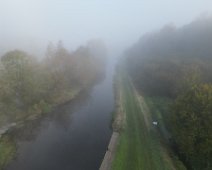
{"type": "Point", "coordinates": [29, 86]}
{"type": "Point", "coordinates": [191, 125]}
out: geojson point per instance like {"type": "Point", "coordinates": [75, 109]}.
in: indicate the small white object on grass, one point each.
{"type": "Point", "coordinates": [155, 123]}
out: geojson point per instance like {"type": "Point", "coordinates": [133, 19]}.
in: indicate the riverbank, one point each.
{"type": "Point", "coordinates": [62, 99]}
{"type": "Point", "coordinates": [8, 145]}
{"type": "Point", "coordinates": [139, 145]}
{"type": "Point", "coordinates": [68, 137]}
{"type": "Point", "coordinates": [117, 125]}
{"type": "Point", "coordinates": [8, 149]}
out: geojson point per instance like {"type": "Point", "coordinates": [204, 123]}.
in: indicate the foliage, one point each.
{"type": "Point", "coordinates": [29, 86]}
{"type": "Point", "coordinates": [7, 150]}
{"type": "Point", "coordinates": [18, 78]}
{"type": "Point", "coordinates": [177, 63]}
{"type": "Point", "coordinates": [191, 125]}
{"type": "Point", "coordinates": [160, 61]}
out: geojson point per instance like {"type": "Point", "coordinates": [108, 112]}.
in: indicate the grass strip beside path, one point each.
{"type": "Point", "coordinates": [139, 146]}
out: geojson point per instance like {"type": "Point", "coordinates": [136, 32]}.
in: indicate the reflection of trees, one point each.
{"type": "Point", "coordinates": [29, 130]}
{"type": "Point", "coordinates": [60, 117]}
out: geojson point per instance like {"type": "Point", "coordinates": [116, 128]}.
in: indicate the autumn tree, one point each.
{"type": "Point", "coordinates": [191, 125]}
{"type": "Point", "coordinates": [19, 87]}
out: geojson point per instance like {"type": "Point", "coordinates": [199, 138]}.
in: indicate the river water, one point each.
{"type": "Point", "coordinates": [73, 137]}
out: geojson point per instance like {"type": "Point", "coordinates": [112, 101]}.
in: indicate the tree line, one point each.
{"type": "Point", "coordinates": [176, 63]}
{"type": "Point", "coordinates": [29, 86]}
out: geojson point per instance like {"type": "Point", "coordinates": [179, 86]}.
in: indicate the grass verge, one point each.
{"type": "Point", "coordinates": [7, 150]}
{"type": "Point", "coordinates": [139, 147]}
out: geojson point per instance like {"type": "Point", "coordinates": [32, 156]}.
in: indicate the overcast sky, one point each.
{"type": "Point", "coordinates": [32, 23]}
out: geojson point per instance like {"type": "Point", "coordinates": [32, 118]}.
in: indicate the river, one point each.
{"type": "Point", "coordinates": [73, 137]}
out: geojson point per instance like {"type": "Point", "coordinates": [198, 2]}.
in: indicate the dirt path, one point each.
{"type": "Point", "coordinates": [143, 106]}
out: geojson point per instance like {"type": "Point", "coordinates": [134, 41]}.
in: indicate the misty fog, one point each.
{"type": "Point", "coordinates": [31, 24]}
{"type": "Point", "coordinates": [105, 85]}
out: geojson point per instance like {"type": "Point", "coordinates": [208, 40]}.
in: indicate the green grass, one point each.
{"type": "Point", "coordinates": [7, 150]}
{"type": "Point", "coordinates": [139, 147]}
{"type": "Point", "coordinates": [159, 109]}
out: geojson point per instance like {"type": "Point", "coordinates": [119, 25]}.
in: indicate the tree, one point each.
{"type": "Point", "coordinates": [31, 87]}
{"type": "Point", "coordinates": [18, 78]}
{"type": "Point", "coordinates": [191, 125]}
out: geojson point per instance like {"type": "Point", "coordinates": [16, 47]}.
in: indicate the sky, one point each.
{"type": "Point", "coordinates": [31, 24]}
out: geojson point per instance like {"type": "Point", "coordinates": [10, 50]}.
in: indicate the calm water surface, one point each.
{"type": "Point", "coordinates": [74, 137]}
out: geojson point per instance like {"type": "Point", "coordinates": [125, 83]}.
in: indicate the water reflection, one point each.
{"type": "Point", "coordinates": [60, 117]}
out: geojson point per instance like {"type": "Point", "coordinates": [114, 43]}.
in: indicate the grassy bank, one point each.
{"type": "Point", "coordinates": [159, 109]}
{"type": "Point", "coordinates": [7, 150]}
{"type": "Point", "coordinates": [140, 146]}
{"type": "Point", "coordinates": [39, 108]}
